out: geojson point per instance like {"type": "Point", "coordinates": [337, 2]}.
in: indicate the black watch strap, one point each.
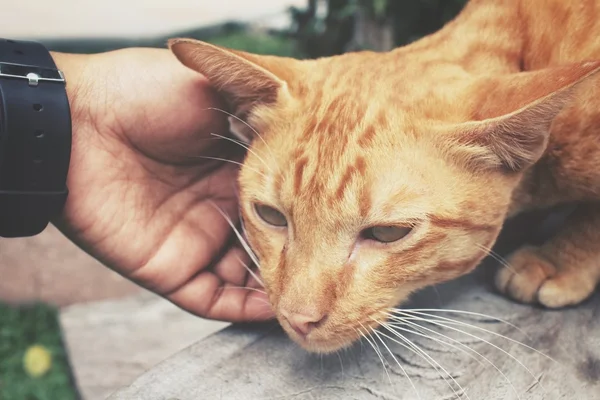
{"type": "Point", "coordinates": [35, 138]}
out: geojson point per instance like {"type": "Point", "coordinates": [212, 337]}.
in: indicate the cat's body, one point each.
{"type": "Point", "coordinates": [378, 174]}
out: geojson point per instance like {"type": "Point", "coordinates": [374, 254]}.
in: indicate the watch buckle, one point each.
{"type": "Point", "coordinates": [32, 74]}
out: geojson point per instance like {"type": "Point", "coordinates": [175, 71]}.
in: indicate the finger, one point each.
{"type": "Point", "coordinates": [206, 296]}
{"type": "Point", "coordinates": [189, 248]}
{"type": "Point", "coordinates": [234, 267]}
{"type": "Point", "coordinates": [255, 280]}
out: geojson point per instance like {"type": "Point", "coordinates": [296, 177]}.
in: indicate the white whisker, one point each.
{"type": "Point", "coordinates": [376, 349]}
{"type": "Point", "coordinates": [238, 234]}
{"type": "Point", "coordinates": [264, 302]}
{"type": "Point", "coordinates": [470, 313]}
{"type": "Point", "coordinates": [398, 362]}
{"type": "Point", "coordinates": [245, 288]}
{"type": "Point", "coordinates": [422, 328]}
{"type": "Point", "coordinates": [420, 333]}
{"type": "Point", "coordinates": [451, 321]}
{"type": "Point", "coordinates": [424, 355]}
{"type": "Point", "coordinates": [498, 258]}
{"type": "Point", "coordinates": [321, 361]}
{"type": "Point", "coordinates": [245, 123]}
{"type": "Point", "coordinates": [232, 162]}
{"type": "Point", "coordinates": [259, 315]}
{"type": "Point", "coordinates": [341, 362]}
{"type": "Point", "coordinates": [245, 147]}
{"type": "Point", "coordinates": [472, 336]}
{"type": "Point", "coordinates": [250, 271]}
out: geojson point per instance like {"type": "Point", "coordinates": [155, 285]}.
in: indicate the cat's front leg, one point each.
{"type": "Point", "coordinates": [562, 272]}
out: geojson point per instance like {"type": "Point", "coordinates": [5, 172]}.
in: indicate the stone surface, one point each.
{"type": "Point", "coordinates": [112, 342]}
{"type": "Point", "coordinates": [259, 362]}
{"type": "Point", "coordinates": [50, 268]}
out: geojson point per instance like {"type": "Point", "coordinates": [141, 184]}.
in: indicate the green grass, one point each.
{"type": "Point", "coordinates": [259, 43]}
{"type": "Point", "coordinates": [21, 328]}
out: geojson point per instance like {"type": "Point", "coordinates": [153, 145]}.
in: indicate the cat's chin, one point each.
{"type": "Point", "coordinates": [323, 346]}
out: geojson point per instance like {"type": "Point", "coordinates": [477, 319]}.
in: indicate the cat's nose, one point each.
{"type": "Point", "coordinates": [303, 323]}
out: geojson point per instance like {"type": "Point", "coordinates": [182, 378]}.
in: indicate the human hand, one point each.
{"type": "Point", "coordinates": [142, 200]}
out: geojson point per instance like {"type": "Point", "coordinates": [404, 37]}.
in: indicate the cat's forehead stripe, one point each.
{"type": "Point", "coordinates": [452, 223]}
{"type": "Point", "coordinates": [352, 170]}
{"type": "Point", "coordinates": [298, 174]}
{"type": "Point", "coordinates": [330, 137]}
{"type": "Point", "coordinates": [367, 136]}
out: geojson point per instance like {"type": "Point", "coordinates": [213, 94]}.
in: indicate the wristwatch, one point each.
{"type": "Point", "coordinates": [35, 138]}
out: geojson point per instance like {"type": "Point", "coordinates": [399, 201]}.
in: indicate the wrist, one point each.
{"type": "Point", "coordinates": [75, 68]}
{"type": "Point", "coordinates": [36, 128]}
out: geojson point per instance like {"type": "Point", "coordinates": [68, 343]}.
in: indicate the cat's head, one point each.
{"type": "Point", "coordinates": [372, 175]}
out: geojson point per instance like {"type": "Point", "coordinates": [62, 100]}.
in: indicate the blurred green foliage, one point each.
{"type": "Point", "coordinates": [323, 34]}
{"type": "Point", "coordinates": [231, 34]}
{"type": "Point", "coordinates": [312, 33]}
{"type": "Point", "coordinates": [20, 328]}
{"type": "Point", "coordinates": [259, 43]}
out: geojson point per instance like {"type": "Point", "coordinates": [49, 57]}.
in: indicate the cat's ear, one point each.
{"type": "Point", "coordinates": [512, 116]}
{"type": "Point", "coordinates": [245, 80]}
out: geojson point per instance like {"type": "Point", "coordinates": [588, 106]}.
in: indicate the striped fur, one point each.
{"type": "Point", "coordinates": [495, 114]}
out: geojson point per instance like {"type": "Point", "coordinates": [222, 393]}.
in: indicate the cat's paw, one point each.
{"type": "Point", "coordinates": [565, 290]}
{"type": "Point", "coordinates": [529, 278]}
{"type": "Point", "coordinates": [523, 275]}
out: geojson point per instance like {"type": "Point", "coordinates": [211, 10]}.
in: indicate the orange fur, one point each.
{"type": "Point", "coordinates": [495, 114]}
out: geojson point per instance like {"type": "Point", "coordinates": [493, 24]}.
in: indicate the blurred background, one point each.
{"type": "Point", "coordinates": [69, 327]}
{"type": "Point", "coordinates": [304, 28]}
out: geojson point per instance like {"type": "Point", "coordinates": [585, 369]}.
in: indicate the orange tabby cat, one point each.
{"type": "Point", "coordinates": [377, 174]}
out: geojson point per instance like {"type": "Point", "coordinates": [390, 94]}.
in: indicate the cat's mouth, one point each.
{"type": "Point", "coordinates": [328, 338]}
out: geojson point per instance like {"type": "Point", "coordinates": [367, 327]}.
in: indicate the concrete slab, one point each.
{"type": "Point", "coordinates": [50, 268]}
{"type": "Point", "coordinates": [112, 342]}
{"type": "Point", "coordinates": [259, 362]}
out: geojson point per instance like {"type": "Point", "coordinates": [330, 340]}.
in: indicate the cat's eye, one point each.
{"type": "Point", "coordinates": [386, 234]}
{"type": "Point", "coordinates": [270, 215]}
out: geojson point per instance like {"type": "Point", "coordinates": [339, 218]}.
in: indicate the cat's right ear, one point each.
{"type": "Point", "coordinates": [245, 80]}
{"type": "Point", "coordinates": [512, 116]}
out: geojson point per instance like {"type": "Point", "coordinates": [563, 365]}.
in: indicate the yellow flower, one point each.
{"type": "Point", "coordinates": [37, 361]}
